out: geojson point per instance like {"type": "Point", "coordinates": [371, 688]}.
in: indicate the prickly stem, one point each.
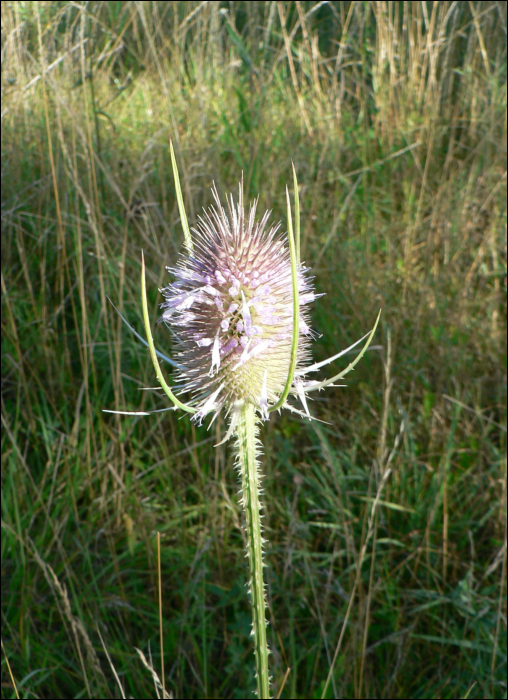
{"type": "Point", "coordinates": [247, 444]}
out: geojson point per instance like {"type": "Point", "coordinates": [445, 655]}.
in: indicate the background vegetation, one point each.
{"type": "Point", "coordinates": [394, 115]}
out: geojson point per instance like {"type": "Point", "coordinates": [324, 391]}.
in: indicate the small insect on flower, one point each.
{"type": "Point", "coordinates": [231, 311]}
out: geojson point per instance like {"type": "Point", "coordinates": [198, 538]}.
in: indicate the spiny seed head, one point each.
{"type": "Point", "coordinates": [230, 310]}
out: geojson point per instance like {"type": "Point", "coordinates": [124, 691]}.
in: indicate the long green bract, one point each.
{"type": "Point", "coordinates": [179, 199]}
{"type": "Point", "coordinates": [151, 346]}
{"type": "Point", "coordinates": [327, 382]}
{"type": "Point", "coordinates": [296, 305]}
{"type": "Point", "coordinates": [297, 216]}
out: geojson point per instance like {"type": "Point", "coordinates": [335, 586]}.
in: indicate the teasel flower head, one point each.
{"type": "Point", "coordinates": [230, 309]}
{"type": "Point", "coordinates": [238, 313]}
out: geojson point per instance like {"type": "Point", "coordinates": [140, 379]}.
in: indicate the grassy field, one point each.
{"type": "Point", "coordinates": [394, 115]}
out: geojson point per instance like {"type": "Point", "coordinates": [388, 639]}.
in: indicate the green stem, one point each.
{"type": "Point", "coordinates": [250, 476]}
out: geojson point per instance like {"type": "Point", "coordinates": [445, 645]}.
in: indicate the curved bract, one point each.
{"type": "Point", "coordinates": [151, 346]}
